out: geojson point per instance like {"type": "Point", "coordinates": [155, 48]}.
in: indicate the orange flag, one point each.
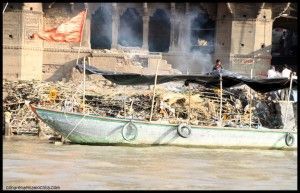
{"type": "Point", "coordinates": [70, 31]}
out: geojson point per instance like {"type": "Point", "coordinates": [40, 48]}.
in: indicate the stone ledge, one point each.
{"type": "Point", "coordinates": [22, 47]}
{"type": "Point", "coordinates": [141, 55]}
{"type": "Point", "coordinates": [250, 56]}
{"type": "Point", "coordinates": [244, 19]}
{"type": "Point", "coordinates": [25, 11]}
{"type": "Point", "coordinates": [82, 50]}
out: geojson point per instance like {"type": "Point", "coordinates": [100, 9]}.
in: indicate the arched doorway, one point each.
{"type": "Point", "coordinates": [131, 29]}
{"type": "Point", "coordinates": [284, 42]}
{"type": "Point", "coordinates": [159, 31]}
{"type": "Point", "coordinates": [101, 28]}
{"type": "Point", "coordinates": [202, 33]}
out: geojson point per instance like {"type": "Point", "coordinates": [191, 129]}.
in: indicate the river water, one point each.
{"type": "Point", "coordinates": [28, 161]}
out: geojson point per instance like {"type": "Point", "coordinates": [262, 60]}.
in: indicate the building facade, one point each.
{"type": "Point", "coordinates": [189, 36]}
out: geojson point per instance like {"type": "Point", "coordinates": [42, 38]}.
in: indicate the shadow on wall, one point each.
{"type": "Point", "coordinates": [63, 71]}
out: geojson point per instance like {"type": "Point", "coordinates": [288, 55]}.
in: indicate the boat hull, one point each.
{"type": "Point", "coordinates": [87, 129]}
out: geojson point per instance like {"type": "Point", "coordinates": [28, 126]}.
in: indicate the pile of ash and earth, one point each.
{"type": "Point", "coordinates": [174, 103]}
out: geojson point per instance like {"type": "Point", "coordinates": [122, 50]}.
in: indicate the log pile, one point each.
{"type": "Point", "coordinates": [197, 106]}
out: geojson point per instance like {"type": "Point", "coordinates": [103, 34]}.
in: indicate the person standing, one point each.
{"type": "Point", "coordinates": [283, 43]}
{"type": "Point", "coordinates": [7, 118]}
{"type": "Point", "coordinates": [286, 73]}
{"type": "Point", "coordinates": [294, 91]}
{"type": "Point", "coordinates": [218, 65]}
{"type": "Point", "coordinates": [272, 72]}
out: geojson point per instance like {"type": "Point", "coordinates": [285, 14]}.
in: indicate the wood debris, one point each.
{"type": "Point", "coordinates": [106, 99]}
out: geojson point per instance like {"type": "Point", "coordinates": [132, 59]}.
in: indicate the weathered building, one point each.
{"type": "Point", "coordinates": [188, 36]}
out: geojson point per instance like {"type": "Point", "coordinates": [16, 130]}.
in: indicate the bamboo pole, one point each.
{"type": "Point", "coordinates": [81, 37]}
{"type": "Point", "coordinates": [221, 101]}
{"type": "Point", "coordinates": [124, 107]}
{"type": "Point", "coordinates": [83, 85]}
{"type": "Point", "coordinates": [4, 8]}
{"type": "Point", "coordinates": [189, 110]}
{"type": "Point", "coordinates": [154, 89]}
{"type": "Point", "coordinates": [89, 59]}
{"type": "Point", "coordinates": [288, 99]}
{"type": "Point", "coordinates": [250, 102]}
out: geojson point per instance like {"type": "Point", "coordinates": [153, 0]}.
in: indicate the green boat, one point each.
{"type": "Point", "coordinates": [88, 129]}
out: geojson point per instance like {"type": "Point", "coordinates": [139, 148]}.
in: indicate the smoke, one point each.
{"type": "Point", "coordinates": [131, 29]}
{"type": "Point", "coordinates": [101, 31]}
{"type": "Point", "coordinates": [197, 46]}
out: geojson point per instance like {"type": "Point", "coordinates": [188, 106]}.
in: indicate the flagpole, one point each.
{"type": "Point", "coordinates": [83, 60]}
{"type": "Point", "coordinates": [81, 36]}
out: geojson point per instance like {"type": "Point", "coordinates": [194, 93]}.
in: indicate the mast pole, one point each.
{"type": "Point", "coordinates": [221, 101]}
{"type": "Point", "coordinates": [154, 89]}
{"type": "Point", "coordinates": [83, 59]}
{"type": "Point", "coordinates": [189, 110]}
{"type": "Point", "coordinates": [83, 85]}
{"type": "Point", "coordinates": [288, 99]}
{"type": "Point", "coordinates": [250, 102]}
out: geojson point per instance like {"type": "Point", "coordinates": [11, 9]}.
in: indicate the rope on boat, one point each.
{"type": "Point", "coordinates": [75, 127]}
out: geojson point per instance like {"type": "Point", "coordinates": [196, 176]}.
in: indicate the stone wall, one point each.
{"type": "Point", "coordinates": [12, 39]}
{"type": "Point", "coordinates": [11, 63]}
{"type": "Point", "coordinates": [23, 56]}
{"type": "Point", "coordinates": [242, 40]}
{"type": "Point", "coordinates": [122, 62]}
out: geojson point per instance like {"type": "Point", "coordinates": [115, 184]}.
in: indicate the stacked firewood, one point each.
{"type": "Point", "coordinates": [196, 106]}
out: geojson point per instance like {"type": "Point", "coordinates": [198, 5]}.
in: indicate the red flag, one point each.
{"type": "Point", "coordinates": [70, 31]}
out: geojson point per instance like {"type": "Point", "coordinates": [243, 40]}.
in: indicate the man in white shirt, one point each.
{"type": "Point", "coordinates": [286, 73]}
{"type": "Point", "coordinates": [271, 72]}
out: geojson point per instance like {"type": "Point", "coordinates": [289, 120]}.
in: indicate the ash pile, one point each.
{"type": "Point", "coordinates": [174, 103]}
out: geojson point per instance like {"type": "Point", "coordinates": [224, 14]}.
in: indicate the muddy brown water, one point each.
{"type": "Point", "coordinates": [28, 161]}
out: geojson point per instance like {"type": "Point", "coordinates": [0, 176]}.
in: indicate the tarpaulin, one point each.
{"type": "Point", "coordinates": [229, 79]}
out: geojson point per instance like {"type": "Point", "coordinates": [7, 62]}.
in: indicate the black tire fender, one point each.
{"type": "Point", "coordinates": [130, 128]}
{"type": "Point", "coordinates": [184, 130]}
{"type": "Point", "coordinates": [289, 139]}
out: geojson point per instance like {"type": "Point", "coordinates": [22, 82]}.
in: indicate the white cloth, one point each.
{"type": "Point", "coordinates": [294, 93]}
{"type": "Point", "coordinates": [286, 73]}
{"type": "Point", "coordinates": [272, 73]}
